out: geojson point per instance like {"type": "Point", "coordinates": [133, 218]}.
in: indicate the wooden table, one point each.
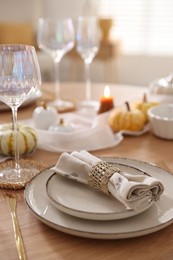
{"type": "Point", "coordinates": [43, 242]}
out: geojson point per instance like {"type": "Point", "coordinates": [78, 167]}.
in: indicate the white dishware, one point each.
{"type": "Point", "coordinates": [85, 202]}
{"type": "Point", "coordinates": [56, 37]}
{"type": "Point", "coordinates": [20, 79]}
{"type": "Point", "coordinates": [161, 89]}
{"type": "Point", "coordinates": [162, 86]}
{"type": "Point", "coordinates": [157, 217]}
{"type": "Point", "coordinates": [161, 120]}
{"type": "Point", "coordinates": [87, 45]}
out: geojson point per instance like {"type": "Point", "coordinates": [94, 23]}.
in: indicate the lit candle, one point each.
{"type": "Point", "coordinates": [106, 101]}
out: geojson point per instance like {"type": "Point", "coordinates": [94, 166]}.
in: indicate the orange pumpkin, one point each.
{"type": "Point", "coordinates": [145, 105]}
{"type": "Point", "coordinates": [126, 119]}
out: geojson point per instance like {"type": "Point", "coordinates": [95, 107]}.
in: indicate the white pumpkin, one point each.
{"type": "Point", "coordinates": [44, 116]}
{"type": "Point", "coordinates": [62, 127]}
{"type": "Point", "coordinates": [27, 139]}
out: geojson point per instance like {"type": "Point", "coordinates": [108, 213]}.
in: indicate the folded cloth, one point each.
{"type": "Point", "coordinates": [135, 191]}
{"type": "Point", "coordinates": [88, 132]}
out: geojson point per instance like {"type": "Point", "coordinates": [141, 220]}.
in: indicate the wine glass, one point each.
{"type": "Point", "coordinates": [20, 79]}
{"type": "Point", "coordinates": [87, 45]}
{"type": "Point", "coordinates": [56, 37]}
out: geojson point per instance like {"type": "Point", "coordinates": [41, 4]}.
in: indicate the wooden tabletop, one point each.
{"type": "Point", "coordinates": [43, 242]}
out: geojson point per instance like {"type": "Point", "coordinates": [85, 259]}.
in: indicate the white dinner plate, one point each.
{"type": "Point", "coordinates": [78, 200]}
{"type": "Point", "coordinates": [157, 217]}
{"type": "Point", "coordinates": [29, 101]}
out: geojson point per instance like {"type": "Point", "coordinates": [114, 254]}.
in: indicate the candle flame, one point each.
{"type": "Point", "coordinates": [107, 91]}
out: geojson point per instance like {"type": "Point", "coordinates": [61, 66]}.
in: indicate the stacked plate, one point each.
{"type": "Point", "coordinates": [73, 208]}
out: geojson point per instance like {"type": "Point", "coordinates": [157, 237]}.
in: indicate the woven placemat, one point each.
{"type": "Point", "coordinates": [10, 181]}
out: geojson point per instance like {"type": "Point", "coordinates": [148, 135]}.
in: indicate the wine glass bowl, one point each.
{"type": "Point", "coordinates": [20, 79]}
{"type": "Point", "coordinates": [87, 45]}
{"type": "Point", "coordinates": [56, 37]}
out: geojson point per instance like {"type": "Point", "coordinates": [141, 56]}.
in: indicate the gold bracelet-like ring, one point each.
{"type": "Point", "coordinates": [100, 174]}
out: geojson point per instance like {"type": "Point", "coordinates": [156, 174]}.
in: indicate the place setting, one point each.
{"type": "Point", "coordinates": [82, 195]}
{"type": "Point", "coordinates": [101, 198]}
{"type": "Point", "coordinates": [86, 167]}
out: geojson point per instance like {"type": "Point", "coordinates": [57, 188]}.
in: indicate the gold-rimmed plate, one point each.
{"type": "Point", "coordinates": [79, 200]}
{"type": "Point", "coordinates": [157, 217]}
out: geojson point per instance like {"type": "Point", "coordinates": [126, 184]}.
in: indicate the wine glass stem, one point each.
{"type": "Point", "coordinates": [16, 147]}
{"type": "Point", "coordinates": [57, 81]}
{"type": "Point", "coordinates": [88, 82]}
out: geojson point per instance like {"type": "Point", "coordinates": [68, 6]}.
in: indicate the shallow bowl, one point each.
{"type": "Point", "coordinates": [161, 120]}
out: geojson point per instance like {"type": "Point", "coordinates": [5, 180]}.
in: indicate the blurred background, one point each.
{"type": "Point", "coordinates": [136, 37]}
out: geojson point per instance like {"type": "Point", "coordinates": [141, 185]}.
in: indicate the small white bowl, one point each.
{"type": "Point", "coordinates": [161, 120]}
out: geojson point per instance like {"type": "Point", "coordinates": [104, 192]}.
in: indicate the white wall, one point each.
{"type": "Point", "coordinates": [141, 70]}
{"type": "Point", "coordinates": [20, 10]}
{"type": "Point", "coordinates": [137, 70]}
{"type": "Point", "coordinates": [63, 8]}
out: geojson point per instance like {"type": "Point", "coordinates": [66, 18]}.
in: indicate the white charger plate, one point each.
{"type": "Point", "coordinates": [79, 200]}
{"type": "Point", "coordinates": [157, 217]}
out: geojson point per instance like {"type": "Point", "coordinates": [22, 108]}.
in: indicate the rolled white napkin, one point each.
{"type": "Point", "coordinates": [134, 191]}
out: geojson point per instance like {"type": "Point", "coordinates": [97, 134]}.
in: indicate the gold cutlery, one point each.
{"type": "Point", "coordinates": [11, 200]}
{"type": "Point", "coordinates": [164, 166]}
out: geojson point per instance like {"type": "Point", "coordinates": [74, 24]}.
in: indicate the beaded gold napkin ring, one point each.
{"type": "Point", "coordinates": [100, 175]}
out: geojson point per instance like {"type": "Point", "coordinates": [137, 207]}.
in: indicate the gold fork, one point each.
{"type": "Point", "coordinates": [164, 166]}
{"type": "Point", "coordinates": [11, 200]}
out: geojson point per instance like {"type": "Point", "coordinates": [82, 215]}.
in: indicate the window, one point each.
{"type": "Point", "coordinates": [142, 26]}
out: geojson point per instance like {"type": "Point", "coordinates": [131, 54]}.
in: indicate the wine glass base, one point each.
{"type": "Point", "coordinates": [62, 105]}
{"type": "Point", "coordinates": [11, 178]}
